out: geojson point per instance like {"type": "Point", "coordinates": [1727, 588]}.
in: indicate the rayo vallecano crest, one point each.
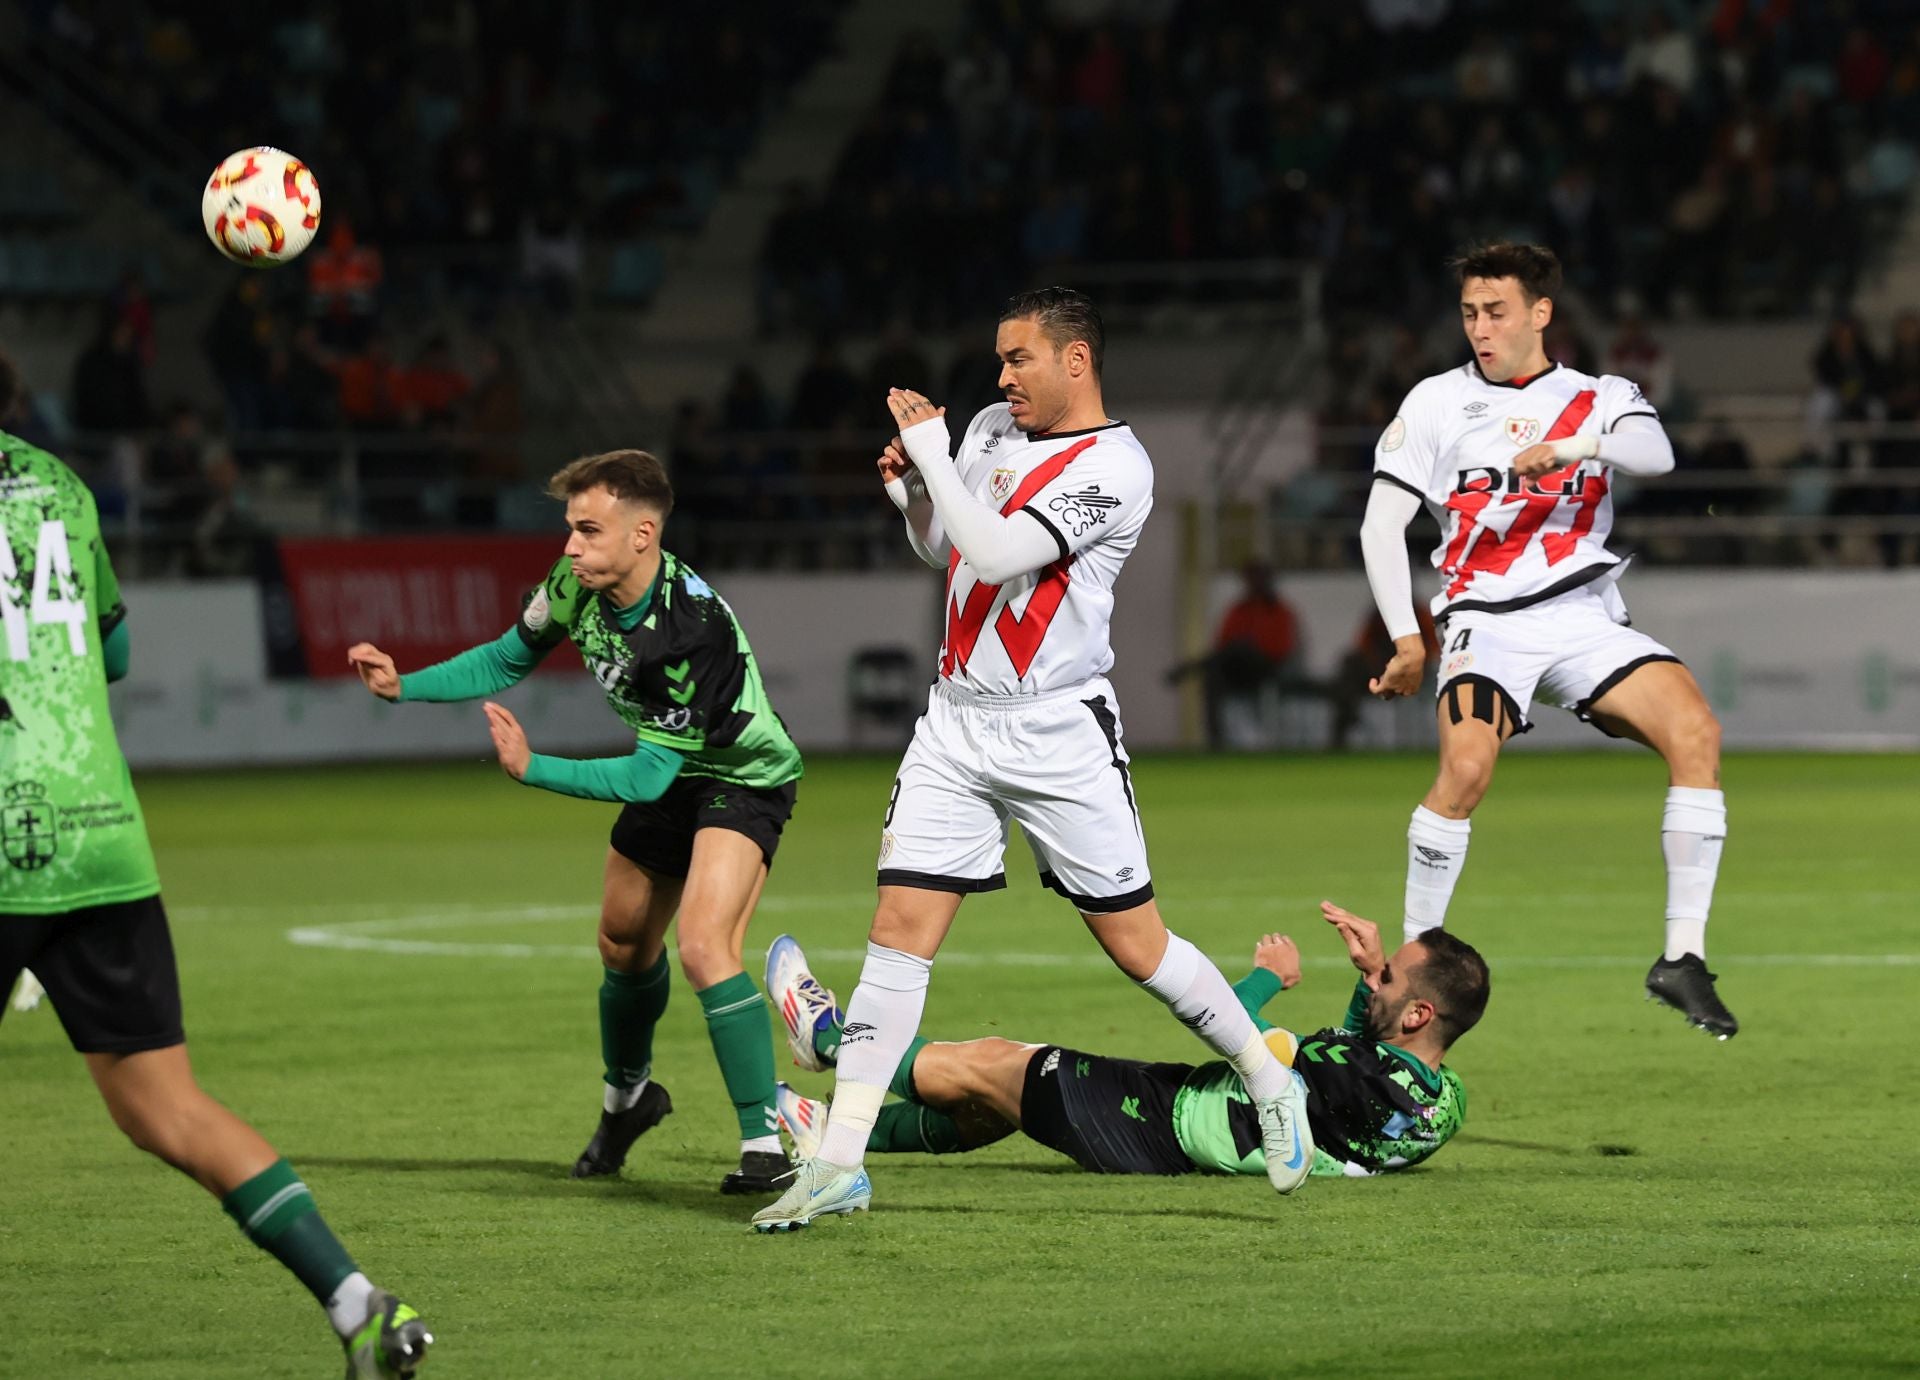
{"type": "Point", "coordinates": [1000, 485]}
{"type": "Point", "coordinates": [1523, 431]}
{"type": "Point", "coordinates": [27, 831]}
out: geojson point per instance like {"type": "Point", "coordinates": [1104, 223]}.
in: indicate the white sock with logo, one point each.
{"type": "Point", "coordinates": [348, 1308]}
{"type": "Point", "coordinates": [882, 1019]}
{"type": "Point", "coordinates": [1194, 990]}
{"type": "Point", "coordinates": [1436, 851]}
{"type": "Point", "coordinates": [1692, 833]}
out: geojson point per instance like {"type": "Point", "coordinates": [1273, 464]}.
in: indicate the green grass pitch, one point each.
{"type": "Point", "coordinates": [1628, 1196]}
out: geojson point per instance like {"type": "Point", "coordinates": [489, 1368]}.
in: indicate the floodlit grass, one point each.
{"type": "Point", "coordinates": [1628, 1197]}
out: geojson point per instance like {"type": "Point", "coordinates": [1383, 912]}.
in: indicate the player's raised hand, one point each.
{"type": "Point", "coordinates": [893, 461]}
{"type": "Point", "coordinates": [910, 408]}
{"type": "Point", "coordinates": [376, 670]}
{"type": "Point", "coordinates": [509, 741]}
{"type": "Point", "coordinates": [1362, 938]}
{"type": "Point", "coordinates": [1280, 956]}
{"type": "Point", "coordinates": [1403, 673]}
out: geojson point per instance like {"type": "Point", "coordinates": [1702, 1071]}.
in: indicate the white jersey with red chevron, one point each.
{"type": "Point", "coordinates": [1047, 630]}
{"type": "Point", "coordinates": [1505, 542]}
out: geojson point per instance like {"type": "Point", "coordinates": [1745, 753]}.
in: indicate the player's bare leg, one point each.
{"type": "Point", "coordinates": [1475, 722]}
{"type": "Point", "coordinates": [909, 925]}
{"type": "Point", "coordinates": [989, 1073]}
{"type": "Point", "coordinates": [1172, 969]}
{"type": "Point", "coordinates": [636, 906]}
{"type": "Point", "coordinates": [723, 886]}
{"type": "Point", "coordinates": [1662, 706]}
{"type": "Point", "coordinates": [154, 1098]}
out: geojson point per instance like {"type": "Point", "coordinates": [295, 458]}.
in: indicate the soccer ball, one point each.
{"type": "Point", "coordinates": [261, 207]}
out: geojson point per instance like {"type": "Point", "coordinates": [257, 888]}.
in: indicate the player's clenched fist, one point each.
{"type": "Point", "coordinates": [1280, 956]}
{"type": "Point", "coordinates": [1404, 672]}
{"type": "Point", "coordinates": [376, 670]}
{"type": "Point", "coordinates": [509, 741]}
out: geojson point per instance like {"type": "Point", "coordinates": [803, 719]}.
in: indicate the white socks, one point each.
{"type": "Point", "coordinates": [347, 1309]}
{"type": "Point", "coordinates": [763, 1145]}
{"type": "Point", "coordinates": [616, 1100]}
{"type": "Point", "coordinates": [1200, 998]}
{"type": "Point", "coordinates": [1692, 834]}
{"type": "Point", "coordinates": [1436, 851]}
{"type": "Point", "coordinates": [882, 1018]}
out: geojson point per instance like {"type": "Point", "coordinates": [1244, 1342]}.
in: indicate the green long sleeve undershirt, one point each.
{"type": "Point", "coordinates": [1259, 987]}
{"type": "Point", "coordinates": [483, 670]}
{"type": "Point", "coordinates": [116, 652]}
{"type": "Point", "coordinates": [642, 776]}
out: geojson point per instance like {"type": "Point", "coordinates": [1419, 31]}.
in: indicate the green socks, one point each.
{"type": "Point", "coordinates": [826, 1043]}
{"type": "Point", "coordinates": [631, 1004]}
{"type": "Point", "coordinates": [907, 1126]}
{"type": "Point", "coordinates": [278, 1214]}
{"type": "Point", "coordinates": [737, 1024]}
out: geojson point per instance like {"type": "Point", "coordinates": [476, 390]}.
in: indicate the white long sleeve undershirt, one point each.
{"type": "Point", "coordinates": [925, 533]}
{"type": "Point", "coordinates": [1383, 542]}
{"type": "Point", "coordinates": [998, 548]}
{"type": "Point", "coordinates": [1636, 446]}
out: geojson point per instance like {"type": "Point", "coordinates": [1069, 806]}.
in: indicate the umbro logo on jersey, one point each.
{"type": "Point", "coordinates": [992, 441]}
{"type": "Point", "coordinates": [1475, 409]}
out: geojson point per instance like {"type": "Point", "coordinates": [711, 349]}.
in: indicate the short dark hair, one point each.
{"type": "Point", "coordinates": [633, 476]}
{"type": "Point", "coordinates": [1536, 267]}
{"type": "Point", "coordinates": [1064, 316]}
{"type": "Point", "coordinates": [1454, 979]}
{"type": "Point", "coordinates": [9, 385]}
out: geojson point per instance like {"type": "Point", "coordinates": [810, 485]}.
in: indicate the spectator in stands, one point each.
{"type": "Point", "coordinates": [176, 492]}
{"type": "Point", "coordinates": [109, 381]}
{"type": "Point", "coordinates": [1635, 354]}
{"type": "Point", "coordinates": [431, 390]}
{"type": "Point", "coordinates": [1846, 371]}
{"type": "Point", "coordinates": [344, 278]}
{"type": "Point", "coordinates": [300, 393]}
{"type": "Point", "coordinates": [369, 384]}
{"type": "Point", "coordinates": [553, 252]}
{"type": "Point", "coordinates": [1253, 651]}
{"type": "Point", "coordinates": [826, 391]}
{"type": "Point", "coordinates": [131, 302]}
{"type": "Point", "coordinates": [236, 343]}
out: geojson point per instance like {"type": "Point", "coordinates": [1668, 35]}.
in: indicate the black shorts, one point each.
{"type": "Point", "coordinates": [1113, 1116]}
{"type": "Point", "coordinates": [658, 835]}
{"type": "Point", "coordinates": [108, 970]}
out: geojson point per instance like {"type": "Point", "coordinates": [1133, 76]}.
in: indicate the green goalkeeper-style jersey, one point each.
{"type": "Point", "coordinates": [1371, 1105]}
{"type": "Point", "coordinates": [683, 677]}
{"type": "Point", "coordinates": [70, 824]}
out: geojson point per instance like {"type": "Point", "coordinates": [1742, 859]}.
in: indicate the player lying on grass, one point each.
{"type": "Point", "coordinates": [707, 790]}
{"type": "Point", "coordinates": [80, 900]}
{"type": "Point", "coordinates": [1379, 1096]}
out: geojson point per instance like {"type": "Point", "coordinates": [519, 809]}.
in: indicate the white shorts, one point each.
{"type": "Point", "coordinates": [1053, 762]}
{"type": "Point", "coordinates": [1572, 650]}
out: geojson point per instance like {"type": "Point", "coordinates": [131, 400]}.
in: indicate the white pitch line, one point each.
{"type": "Point", "coordinates": [385, 934]}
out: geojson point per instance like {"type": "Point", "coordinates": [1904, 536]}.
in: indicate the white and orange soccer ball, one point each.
{"type": "Point", "coordinates": [261, 207]}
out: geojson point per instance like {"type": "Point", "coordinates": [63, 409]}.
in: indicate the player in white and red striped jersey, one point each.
{"type": "Point", "coordinates": [1515, 458]}
{"type": "Point", "coordinates": [1032, 521]}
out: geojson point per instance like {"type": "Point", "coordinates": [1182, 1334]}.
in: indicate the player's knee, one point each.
{"type": "Point", "coordinates": [707, 959]}
{"type": "Point", "coordinates": [163, 1128]}
{"type": "Point", "coordinates": [1464, 778]}
{"type": "Point", "coordinates": [1696, 741]}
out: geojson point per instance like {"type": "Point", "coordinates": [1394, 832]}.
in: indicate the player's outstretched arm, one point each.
{"type": "Point", "coordinates": [1383, 543]}
{"type": "Point", "coordinates": [641, 776]}
{"type": "Point", "coordinates": [998, 548]}
{"type": "Point", "coordinates": [908, 491]}
{"type": "Point", "coordinates": [475, 673]}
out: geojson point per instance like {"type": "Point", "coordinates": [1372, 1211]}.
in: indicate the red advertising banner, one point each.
{"type": "Point", "coordinates": [419, 599]}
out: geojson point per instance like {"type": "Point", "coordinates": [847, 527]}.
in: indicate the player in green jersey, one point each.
{"type": "Point", "coordinates": [1379, 1096]}
{"type": "Point", "coordinates": [80, 895]}
{"type": "Point", "coordinates": [707, 790]}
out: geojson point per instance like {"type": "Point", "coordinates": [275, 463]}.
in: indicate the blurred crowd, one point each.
{"type": "Point", "coordinates": [480, 124]}
{"type": "Point", "coordinates": [1725, 158]}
